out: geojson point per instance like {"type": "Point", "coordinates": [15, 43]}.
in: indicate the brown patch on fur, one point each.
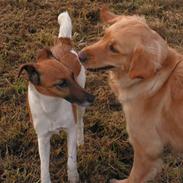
{"type": "Point", "coordinates": [74, 110]}
{"type": "Point", "coordinates": [139, 67]}
{"type": "Point", "coordinates": [52, 78]}
{"type": "Point", "coordinates": [28, 108]}
{"type": "Point", "coordinates": [62, 51]}
{"type": "Point", "coordinates": [44, 54]}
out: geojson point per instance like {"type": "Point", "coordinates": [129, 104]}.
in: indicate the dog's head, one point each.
{"type": "Point", "coordinates": [128, 43]}
{"type": "Point", "coordinates": [52, 78]}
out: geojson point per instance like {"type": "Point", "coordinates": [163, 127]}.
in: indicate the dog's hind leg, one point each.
{"type": "Point", "coordinates": [80, 125]}
{"type": "Point", "coordinates": [80, 110]}
{"type": "Point", "coordinates": [44, 153]}
{"type": "Point", "coordinates": [72, 172]}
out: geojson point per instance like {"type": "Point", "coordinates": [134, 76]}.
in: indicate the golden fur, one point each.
{"type": "Point", "coordinates": [147, 78]}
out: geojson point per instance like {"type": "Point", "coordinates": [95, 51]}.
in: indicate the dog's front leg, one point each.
{"type": "Point", "coordinates": [73, 175]}
{"type": "Point", "coordinates": [44, 153]}
{"type": "Point", "coordinates": [145, 167]}
{"type": "Point", "coordinates": [146, 164]}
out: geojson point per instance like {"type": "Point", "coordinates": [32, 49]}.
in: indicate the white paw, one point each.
{"type": "Point", "coordinates": [46, 180]}
{"type": "Point", "coordinates": [73, 177]}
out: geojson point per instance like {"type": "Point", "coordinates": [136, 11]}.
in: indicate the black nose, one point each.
{"type": "Point", "coordinates": [82, 56]}
{"type": "Point", "coordinates": [90, 98]}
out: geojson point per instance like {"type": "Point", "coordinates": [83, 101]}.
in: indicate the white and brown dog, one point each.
{"type": "Point", "coordinates": [56, 82]}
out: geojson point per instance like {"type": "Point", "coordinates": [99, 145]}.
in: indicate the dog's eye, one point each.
{"type": "Point", "coordinates": [62, 84]}
{"type": "Point", "coordinates": [113, 49]}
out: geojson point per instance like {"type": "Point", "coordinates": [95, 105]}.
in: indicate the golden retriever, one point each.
{"type": "Point", "coordinates": [147, 77]}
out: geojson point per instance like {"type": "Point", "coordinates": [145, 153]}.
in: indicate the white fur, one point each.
{"type": "Point", "coordinates": [81, 79]}
{"type": "Point", "coordinates": [51, 114]}
{"type": "Point", "coordinates": [74, 52]}
{"type": "Point", "coordinates": [65, 23]}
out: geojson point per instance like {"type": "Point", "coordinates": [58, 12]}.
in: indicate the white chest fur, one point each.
{"type": "Point", "coordinates": [49, 113]}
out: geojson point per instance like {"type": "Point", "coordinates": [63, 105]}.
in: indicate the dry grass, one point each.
{"type": "Point", "coordinates": [25, 26]}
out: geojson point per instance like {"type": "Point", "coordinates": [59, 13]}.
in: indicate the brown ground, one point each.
{"type": "Point", "coordinates": [25, 26]}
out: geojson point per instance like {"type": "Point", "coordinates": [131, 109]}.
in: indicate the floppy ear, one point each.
{"type": "Point", "coordinates": [108, 17]}
{"type": "Point", "coordinates": [44, 53]}
{"type": "Point", "coordinates": [142, 65]}
{"type": "Point", "coordinates": [33, 74]}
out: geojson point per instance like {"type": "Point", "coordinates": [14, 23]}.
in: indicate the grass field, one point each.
{"type": "Point", "coordinates": [26, 26]}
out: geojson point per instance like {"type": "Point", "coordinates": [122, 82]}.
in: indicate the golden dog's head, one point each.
{"type": "Point", "coordinates": [129, 44]}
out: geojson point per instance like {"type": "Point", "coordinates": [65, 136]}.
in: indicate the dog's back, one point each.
{"type": "Point", "coordinates": [172, 116]}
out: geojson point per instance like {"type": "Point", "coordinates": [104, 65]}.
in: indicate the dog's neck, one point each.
{"type": "Point", "coordinates": [131, 89]}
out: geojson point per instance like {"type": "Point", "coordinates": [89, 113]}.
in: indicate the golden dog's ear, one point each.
{"type": "Point", "coordinates": [106, 16]}
{"type": "Point", "coordinates": [141, 65]}
{"type": "Point", "coordinates": [32, 72]}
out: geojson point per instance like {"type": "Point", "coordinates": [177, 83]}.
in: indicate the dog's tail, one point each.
{"type": "Point", "coordinates": [65, 23]}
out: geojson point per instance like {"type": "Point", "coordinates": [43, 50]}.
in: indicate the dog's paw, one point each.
{"type": "Point", "coordinates": [118, 181]}
{"type": "Point", "coordinates": [73, 177]}
{"type": "Point", "coordinates": [114, 181]}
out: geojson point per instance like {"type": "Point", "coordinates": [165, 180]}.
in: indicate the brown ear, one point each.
{"type": "Point", "coordinates": [33, 74]}
{"type": "Point", "coordinates": [108, 17]}
{"type": "Point", "coordinates": [142, 65]}
{"type": "Point", "coordinates": [44, 53]}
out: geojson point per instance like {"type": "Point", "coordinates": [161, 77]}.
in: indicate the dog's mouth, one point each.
{"type": "Point", "coordinates": [85, 102]}
{"type": "Point", "coordinates": [105, 68]}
